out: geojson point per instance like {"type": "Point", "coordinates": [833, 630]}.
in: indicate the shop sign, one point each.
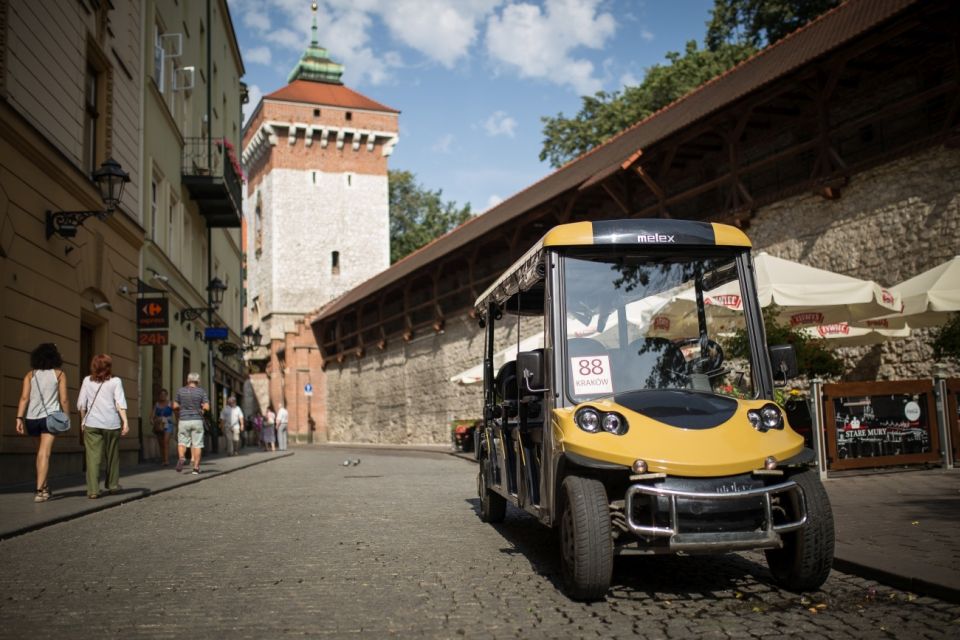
{"type": "Point", "coordinates": [156, 337]}
{"type": "Point", "coordinates": [153, 313]}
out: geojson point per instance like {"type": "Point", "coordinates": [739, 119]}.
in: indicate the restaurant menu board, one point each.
{"type": "Point", "coordinates": [882, 425]}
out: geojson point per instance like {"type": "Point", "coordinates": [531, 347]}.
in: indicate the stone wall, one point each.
{"type": "Point", "coordinates": [890, 224]}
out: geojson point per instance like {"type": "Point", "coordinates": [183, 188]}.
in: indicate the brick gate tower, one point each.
{"type": "Point", "coordinates": [316, 209]}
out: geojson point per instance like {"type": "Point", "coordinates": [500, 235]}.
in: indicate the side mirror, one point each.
{"type": "Point", "coordinates": [530, 368]}
{"type": "Point", "coordinates": [783, 358]}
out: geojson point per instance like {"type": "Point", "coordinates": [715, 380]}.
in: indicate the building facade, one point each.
{"type": "Point", "coordinates": [70, 86]}
{"type": "Point", "coordinates": [317, 220]}
{"type": "Point", "coordinates": [192, 197]}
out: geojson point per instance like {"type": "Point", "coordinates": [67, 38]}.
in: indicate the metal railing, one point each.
{"type": "Point", "coordinates": [214, 159]}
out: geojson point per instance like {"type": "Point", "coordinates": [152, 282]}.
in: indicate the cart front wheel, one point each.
{"type": "Point", "coordinates": [586, 540]}
{"type": "Point", "coordinates": [804, 562]}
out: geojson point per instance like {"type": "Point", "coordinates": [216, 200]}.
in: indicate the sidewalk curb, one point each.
{"type": "Point", "coordinates": [104, 502]}
{"type": "Point", "coordinates": [898, 580]}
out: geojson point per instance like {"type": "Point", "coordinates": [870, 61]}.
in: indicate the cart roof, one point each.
{"type": "Point", "coordinates": [646, 232]}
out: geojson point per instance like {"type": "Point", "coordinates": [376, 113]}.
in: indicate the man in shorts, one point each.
{"type": "Point", "coordinates": [231, 424]}
{"type": "Point", "coordinates": [189, 405]}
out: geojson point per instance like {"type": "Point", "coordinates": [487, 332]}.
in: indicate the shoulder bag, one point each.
{"type": "Point", "coordinates": [57, 421]}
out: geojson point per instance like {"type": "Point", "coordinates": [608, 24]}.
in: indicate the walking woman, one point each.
{"type": "Point", "coordinates": [163, 425]}
{"type": "Point", "coordinates": [269, 430]}
{"type": "Point", "coordinates": [44, 391]}
{"type": "Point", "coordinates": [103, 419]}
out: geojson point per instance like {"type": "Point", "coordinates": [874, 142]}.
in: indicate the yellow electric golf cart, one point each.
{"type": "Point", "coordinates": [611, 412]}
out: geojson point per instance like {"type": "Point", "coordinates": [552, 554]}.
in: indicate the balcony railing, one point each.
{"type": "Point", "coordinates": [209, 173]}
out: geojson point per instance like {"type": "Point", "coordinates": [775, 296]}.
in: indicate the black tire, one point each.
{"type": "Point", "coordinates": [586, 540]}
{"type": "Point", "coordinates": [804, 562]}
{"type": "Point", "coordinates": [493, 506]}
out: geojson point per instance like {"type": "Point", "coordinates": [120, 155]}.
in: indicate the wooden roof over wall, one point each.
{"type": "Point", "coordinates": [867, 82]}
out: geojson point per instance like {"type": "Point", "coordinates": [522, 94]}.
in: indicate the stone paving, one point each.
{"type": "Point", "coordinates": [305, 546]}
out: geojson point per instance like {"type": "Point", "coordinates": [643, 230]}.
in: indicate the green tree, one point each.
{"type": "Point", "coordinates": [418, 215]}
{"type": "Point", "coordinates": [946, 340]}
{"type": "Point", "coordinates": [813, 356]}
{"type": "Point", "coordinates": [737, 28]}
{"type": "Point", "coordinates": [603, 114]}
{"type": "Point", "coordinates": [758, 23]}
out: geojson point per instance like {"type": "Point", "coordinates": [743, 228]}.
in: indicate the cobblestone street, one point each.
{"type": "Point", "coordinates": [304, 546]}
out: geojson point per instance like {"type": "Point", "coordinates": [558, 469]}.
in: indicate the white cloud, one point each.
{"type": "Point", "coordinates": [254, 93]}
{"type": "Point", "coordinates": [256, 19]}
{"type": "Point", "coordinates": [258, 55]}
{"type": "Point", "coordinates": [629, 80]}
{"type": "Point", "coordinates": [493, 201]}
{"type": "Point", "coordinates": [500, 124]}
{"type": "Point", "coordinates": [646, 35]}
{"type": "Point", "coordinates": [539, 43]}
{"type": "Point", "coordinates": [444, 144]}
{"type": "Point", "coordinates": [443, 30]}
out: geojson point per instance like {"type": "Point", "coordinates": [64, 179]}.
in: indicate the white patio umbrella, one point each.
{"type": "Point", "coordinates": [842, 334]}
{"type": "Point", "coordinates": [805, 295]}
{"type": "Point", "coordinates": [474, 374]}
{"type": "Point", "coordinates": [928, 298]}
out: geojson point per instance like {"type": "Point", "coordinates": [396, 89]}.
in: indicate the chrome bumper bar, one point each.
{"type": "Point", "coordinates": [679, 541]}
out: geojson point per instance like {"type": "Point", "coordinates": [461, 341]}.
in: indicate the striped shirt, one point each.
{"type": "Point", "coordinates": [191, 401]}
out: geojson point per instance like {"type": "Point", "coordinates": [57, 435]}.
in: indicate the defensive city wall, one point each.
{"type": "Point", "coordinates": [839, 146]}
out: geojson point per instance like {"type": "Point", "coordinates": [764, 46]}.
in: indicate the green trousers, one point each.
{"type": "Point", "coordinates": [102, 445]}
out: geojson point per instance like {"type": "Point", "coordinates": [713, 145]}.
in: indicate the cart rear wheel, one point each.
{"type": "Point", "coordinates": [804, 562]}
{"type": "Point", "coordinates": [493, 506]}
{"type": "Point", "coordinates": [586, 541]}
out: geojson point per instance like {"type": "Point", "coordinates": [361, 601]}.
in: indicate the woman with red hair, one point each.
{"type": "Point", "coordinates": [103, 419]}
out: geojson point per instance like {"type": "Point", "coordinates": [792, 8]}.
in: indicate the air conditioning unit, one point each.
{"type": "Point", "coordinates": [158, 66]}
{"type": "Point", "coordinates": [183, 79]}
{"type": "Point", "coordinates": [172, 44]}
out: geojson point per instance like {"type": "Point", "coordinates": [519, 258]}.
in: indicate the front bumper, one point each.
{"type": "Point", "coordinates": [766, 536]}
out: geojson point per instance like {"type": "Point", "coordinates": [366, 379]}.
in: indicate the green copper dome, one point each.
{"type": "Point", "coordinates": [315, 64]}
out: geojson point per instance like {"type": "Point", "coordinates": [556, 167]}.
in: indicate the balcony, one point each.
{"type": "Point", "coordinates": [209, 173]}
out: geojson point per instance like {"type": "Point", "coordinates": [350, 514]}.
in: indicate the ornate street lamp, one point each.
{"type": "Point", "coordinates": [110, 179]}
{"type": "Point", "coordinates": [214, 294]}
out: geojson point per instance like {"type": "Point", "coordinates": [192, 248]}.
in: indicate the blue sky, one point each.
{"type": "Point", "coordinates": [471, 77]}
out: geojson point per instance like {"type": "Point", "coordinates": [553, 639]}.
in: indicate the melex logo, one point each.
{"type": "Point", "coordinates": [807, 317]}
{"type": "Point", "coordinates": [836, 329]}
{"type": "Point", "coordinates": [661, 323]}
{"type": "Point", "coordinates": [655, 237]}
{"type": "Point", "coordinates": [886, 296]}
{"type": "Point", "coordinates": [729, 300]}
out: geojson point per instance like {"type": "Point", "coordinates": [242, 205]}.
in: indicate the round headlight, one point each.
{"type": "Point", "coordinates": [588, 419]}
{"type": "Point", "coordinates": [771, 417]}
{"type": "Point", "coordinates": [754, 417]}
{"type": "Point", "coordinates": [614, 423]}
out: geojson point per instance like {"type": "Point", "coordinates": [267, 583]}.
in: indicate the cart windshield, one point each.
{"type": "Point", "coordinates": [639, 322]}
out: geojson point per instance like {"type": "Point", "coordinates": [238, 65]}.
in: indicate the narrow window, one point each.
{"type": "Point", "coordinates": [153, 209]}
{"type": "Point", "coordinates": [335, 263]}
{"type": "Point", "coordinates": [314, 177]}
{"type": "Point", "coordinates": [316, 113]}
{"type": "Point", "coordinates": [90, 119]}
{"type": "Point", "coordinates": [349, 115]}
{"type": "Point", "coordinates": [349, 179]}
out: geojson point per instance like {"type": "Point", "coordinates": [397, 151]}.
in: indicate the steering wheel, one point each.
{"type": "Point", "coordinates": [708, 363]}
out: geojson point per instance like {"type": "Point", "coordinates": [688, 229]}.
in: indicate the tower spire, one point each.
{"type": "Point", "coordinates": [315, 64]}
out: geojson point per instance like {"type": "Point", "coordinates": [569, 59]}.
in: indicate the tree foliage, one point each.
{"type": "Point", "coordinates": [946, 340]}
{"type": "Point", "coordinates": [758, 23]}
{"type": "Point", "coordinates": [418, 215]}
{"type": "Point", "coordinates": [604, 114]}
{"type": "Point", "coordinates": [737, 28]}
{"type": "Point", "coordinates": [813, 356]}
